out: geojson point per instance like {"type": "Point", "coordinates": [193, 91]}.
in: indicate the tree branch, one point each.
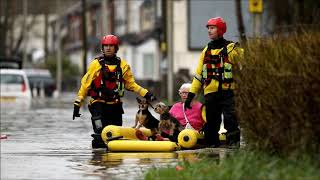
{"type": "Point", "coordinates": [22, 35]}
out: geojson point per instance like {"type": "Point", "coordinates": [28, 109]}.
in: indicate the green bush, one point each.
{"type": "Point", "coordinates": [68, 68]}
{"type": "Point", "coordinates": [70, 72]}
{"type": "Point", "coordinates": [278, 94]}
{"type": "Point", "coordinates": [241, 165]}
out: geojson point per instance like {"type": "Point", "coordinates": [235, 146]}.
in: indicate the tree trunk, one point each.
{"type": "Point", "coordinates": [10, 31]}
{"type": "Point", "coordinates": [241, 28]}
{"type": "Point", "coordinates": [26, 28]}
{"type": "Point", "coordinates": [45, 37]}
{"type": "Point", "coordinates": [4, 27]}
{"type": "Point", "coordinates": [300, 11]}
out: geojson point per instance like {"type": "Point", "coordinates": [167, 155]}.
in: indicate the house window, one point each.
{"type": "Point", "coordinates": [148, 65]}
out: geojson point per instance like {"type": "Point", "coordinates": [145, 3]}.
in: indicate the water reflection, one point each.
{"type": "Point", "coordinates": [132, 165]}
{"type": "Point", "coordinates": [16, 105]}
{"type": "Point", "coordinates": [46, 134]}
{"type": "Point", "coordinates": [113, 159]}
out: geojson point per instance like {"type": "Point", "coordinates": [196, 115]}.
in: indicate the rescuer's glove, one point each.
{"type": "Point", "coordinates": [76, 109]}
{"type": "Point", "coordinates": [150, 97]}
{"type": "Point", "coordinates": [187, 103]}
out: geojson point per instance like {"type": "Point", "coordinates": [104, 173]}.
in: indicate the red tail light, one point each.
{"type": "Point", "coordinates": [24, 87]}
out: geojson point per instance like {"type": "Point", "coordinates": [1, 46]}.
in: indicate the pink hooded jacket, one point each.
{"type": "Point", "coordinates": [193, 115]}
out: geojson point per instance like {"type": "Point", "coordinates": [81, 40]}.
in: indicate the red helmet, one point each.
{"type": "Point", "coordinates": [110, 39]}
{"type": "Point", "coordinates": [219, 23]}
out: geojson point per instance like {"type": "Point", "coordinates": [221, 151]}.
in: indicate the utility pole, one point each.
{"type": "Point", "coordinates": [111, 11]}
{"type": "Point", "coordinates": [59, 58]}
{"type": "Point", "coordinates": [163, 47]}
{"type": "Point", "coordinates": [170, 49]}
{"type": "Point", "coordinates": [84, 36]}
{"type": "Point", "coordinates": [104, 17]}
{"type": "Point", "coordinates": [257, 18]}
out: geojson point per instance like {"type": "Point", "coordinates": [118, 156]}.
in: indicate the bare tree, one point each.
{"type": "Point", "coordinates": [15, 50]}
{"type": "Point", "coordinates": [10, 42]}
{"type": "Point", "coordinates": [4, 21]}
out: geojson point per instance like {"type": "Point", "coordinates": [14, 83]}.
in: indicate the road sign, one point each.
{"type": "Point", "coordinates": [255, 6]}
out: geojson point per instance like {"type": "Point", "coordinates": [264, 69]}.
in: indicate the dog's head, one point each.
{"type": "Point", "coordinates": [143, 105]}
{"type": "Point", "coordinates": [161, 108]}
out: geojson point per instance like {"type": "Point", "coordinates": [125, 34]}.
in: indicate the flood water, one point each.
{"type": "Point", "coordinates": [43, 142]}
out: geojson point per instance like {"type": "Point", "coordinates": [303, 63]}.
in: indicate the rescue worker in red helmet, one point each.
{"type": "Point", "coordinates": [214, 74]}
{"type": "Point", "coordinates": [105, 81]}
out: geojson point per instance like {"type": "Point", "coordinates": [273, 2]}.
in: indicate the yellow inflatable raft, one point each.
{"type": "Point", "coordinates": [128, 141]}
{"type": "Point", "coordinates": [188, 138]}
{"type": "Point", "coordinates": [127, 132]}
{"type": "Point", "coordinates": [141, 146]}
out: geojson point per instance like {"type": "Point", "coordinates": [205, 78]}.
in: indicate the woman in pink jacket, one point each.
{"type": "Point", "coordinates": [193, 116]}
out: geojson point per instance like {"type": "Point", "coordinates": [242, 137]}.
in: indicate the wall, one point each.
{"type": "Point", "coordinates": [134, 57]}
{"type": "Point", "coordinates": [183, 58]}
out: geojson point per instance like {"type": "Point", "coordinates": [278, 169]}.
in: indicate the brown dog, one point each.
{"type": "Point", "coordinates": [168, 124]}
{"type": "Point", "coordinates": [144, 118]}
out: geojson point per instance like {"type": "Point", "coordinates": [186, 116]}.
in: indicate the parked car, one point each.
{"type": "Point", "coordinates": [15, 88]}
{"type": "Point", "coordinates": [41, 79]}
{"type": "Point", "coordinates": [10, 62]}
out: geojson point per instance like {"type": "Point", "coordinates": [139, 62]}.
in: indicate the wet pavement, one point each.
{"type": "Point", "coordinates": [43, 142]}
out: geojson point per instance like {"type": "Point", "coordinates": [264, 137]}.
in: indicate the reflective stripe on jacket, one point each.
{"type": "Point", "coordinates": [211, 84]}
{"type": "Point", "coordinates": [94, 71]}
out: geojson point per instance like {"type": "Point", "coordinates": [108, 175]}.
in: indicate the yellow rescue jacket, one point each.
{"type": "Point", "coordinates": [235, 54]}
{"type": "Point", "coordinates": [94, 70]}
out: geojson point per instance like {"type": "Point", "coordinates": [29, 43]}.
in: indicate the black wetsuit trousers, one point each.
{"type": "Point", "coordinates": [221, 102]}
{"type": "Point", "coordinates": [109, 114]}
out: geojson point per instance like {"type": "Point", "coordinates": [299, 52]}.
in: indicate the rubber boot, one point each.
{"type": "Point", "coordinates": [97, 141]}
{"type": "Point", "coordinates": [210, 139]}
{"type": "Point", "coordinates": [233, 139]}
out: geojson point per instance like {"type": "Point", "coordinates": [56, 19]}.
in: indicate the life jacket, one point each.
{"type": "Point", "coordinates": [108, 85]}
{"type": "Point", "coordinates": [217, 67]}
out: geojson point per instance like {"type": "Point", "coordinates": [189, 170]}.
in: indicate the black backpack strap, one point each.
{"type": "Point", "coordinates": [102, 62]}
{"type": "Point", "coordinates": [105, 75]}
{"type": "Point", "coordinates": [225, 49]}
{"type": "Point", "coordinates": [119, 70]}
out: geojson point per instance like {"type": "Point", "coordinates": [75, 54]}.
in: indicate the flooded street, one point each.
{"type": "Point", "coordinates": [43, 142]}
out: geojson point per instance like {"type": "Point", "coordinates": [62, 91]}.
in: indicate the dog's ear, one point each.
{"type": "Point", "coordinates": [161, 105]}
{"type": "Point", "coordinates": [164, 107]}
{"type": "Point", "coordinates": [138, 100]}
